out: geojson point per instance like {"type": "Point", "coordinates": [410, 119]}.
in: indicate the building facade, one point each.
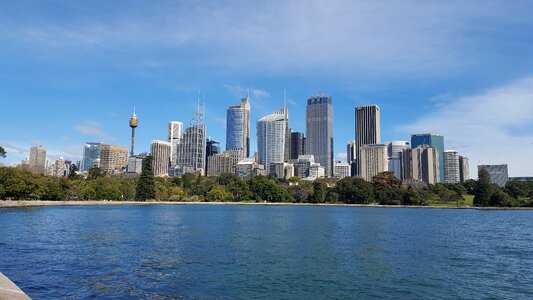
{"type": "Point", "coordinates": [373, 160]}
{"type": "Point", "coordinates": [220, 163]}
{"type": "Point", "coordinates": [367, 131]}
{"type": "Point", "coordinates": [395, 152]}
{"type": "Point", "coordinates": [452, 172]}
{"type": "Point", "coordinates": [91, 152]}
{"type": "Point", "coordinates": [175, 133]}
{"type": "Point", "coordinates": [297, 144]}
{"type": "Point", "coordinates": [464, 169]}
{"type": "Point", "coordinates": [38, 160]}
{"type": "Point", "coordinates": [160, 151]}
{"type": "Point", "coordinates": [319, 131]}
{"type": "Point", "coordinates": [342, 170]}
{"type": "Point", "coordinates": [421, 164]}
{"type": "Point", "coordinates": [113, 159]}
{"type": "Point", "coordinates": [499, 174]}
{"type": "Point", "coordinates": [238, 128]}
{"type": "Point", "coordinates": [271, 137]}
{"type": "Point", "coordinates": [434, 140]}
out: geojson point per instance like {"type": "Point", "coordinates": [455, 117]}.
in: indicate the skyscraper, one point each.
{"type": "Point", "coordinates": [192, 147]}
{"type": "Point", "coordinates": [421, 164]}
{"type": "Point", "coordinates": [238, 128]}
{"type": "Point", "coordinates": [433, 140]}
{"type": "Point", "coordinates": [395, 152]}
{"type": "Point", "coordinates": [160, 151]}
{"type": "Point", "coordinates": [175, 133]}
{"type": "Point", "coordinates": [319, 131]}
{"type": "Point", "coordinates": [91, 152]}
{"type": "Point", "coordinates": [113, 159]}
{"type": "Point", "coordinates": [372, 160]}
{"type": "Point", "coordinates": [211, 149]}
{"type": "Point", "coordinates": [451, 167]}
{"type": "Point", "coordinates": [297, 145]}
{"type": "Point", "coordinates": [271, 137]}
{"type": "Point", "coordinates": [464, 169]}
{"type": "Point", "coordinates": [38, 160]}
{"type": "Point", "coordinates": [367, 129]}
{"type": "Point", "coordinates": [350, 152]}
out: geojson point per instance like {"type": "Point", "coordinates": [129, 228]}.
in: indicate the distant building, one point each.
{"type": "Point", "coordinates": [134, 123]}
{"type": "Point", "coordinates": [59, 168]}
{"type": "Point", "coordinates": [220, 163]}
{"type": "Point", "coordinates": [342, 170]}
{"type": "Point", "coordinates": [135, 164]}
{"type": "Point", "coordinates": [212, 148]}
{"type": "Point", "coordinates": [451, 167]}
{"type": "Point", "coordinates": [395, 152]}
{"type": "Point", "coordinates": [367, 131]}
{"type": "Point", "coordinates": [499, 174]}
{"type": "Point", "coordinates": [160, 151]}
{"type": "Point", "coordinates": [464, 169]}
{"type": "Point", "coordinates": [245, 168]}
{"type": "Point", "coordinates": [316, 171]}
{"type": "Point", "coordinates": [350, 152]}
{"type": "Point", "coordinates": [434, 140]}
{"type": "Point", "coordinates": [282, 170]}
{"type": "Point", "coordinates": [421, 164]}
{"type": "Point", "coordinates": [319, 131]}
{"type": "Point", "coordinates": [297, 144]}
{"type": "Point", "coordinates": [238, 128]}
{"type": "Point", "coordinates": [373, 160]}
{"type": "Point", "coordinates": [38, 160]}
{"type": "Point", "coordinates": [91, 152]}
{"type": "Point", "coordinates": [271, 137]}
{"type": "Point", "coordinates": [175, 133]}
{"type": "Point", "coordinates": [192, 147]}
{"type": "Point", "coordinates": [113, 159]}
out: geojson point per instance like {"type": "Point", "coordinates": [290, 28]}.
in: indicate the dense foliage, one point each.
{"type": "Point", "coordinates": [385, 189]}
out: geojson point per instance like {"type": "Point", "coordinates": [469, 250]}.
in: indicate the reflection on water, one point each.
{"type": "Point", "coordinates": [228, 252]}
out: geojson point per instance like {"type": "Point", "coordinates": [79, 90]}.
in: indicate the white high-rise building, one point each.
{"type": "Point", "coordinates": [160, 151]}
{"type": "Point", "coordinates": [373, 160]}
{"type": "Point", "coordinates": [451, 167]}
{"type": "Point", "coordinates": [464, 169]}
{"type": "Point", "coordinates": [238, 128]}
{"type": "Point", "coordinates": [175, 133]}
{"type": "Point", "coordinates": [192, 147]}
{"type": "Point", "coordinates": [271, 137]}
{"type": "Point", "coordinates": [395, 152]}
{"type": "Point", "coordinates": [342, 170]}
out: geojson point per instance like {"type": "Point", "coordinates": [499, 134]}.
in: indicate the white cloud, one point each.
{"type": "Point", "coordinates": [93, 129]}
{"type": "Point", "coordinates": [240, 92]}
{"type": "Point", "coordinates": [341, 156]}
{"type": "Point", "coordinates": [490, 128]}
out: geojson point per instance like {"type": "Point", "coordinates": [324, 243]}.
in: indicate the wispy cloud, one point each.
{"type": "Point", "coordinates": [491, 127]}
{"type": "Point", "coordinates": [240, 91]}
{"type": "Point", "coordinates": [341, 156]}
{"type": "Point", "coordinates": [92, 128]}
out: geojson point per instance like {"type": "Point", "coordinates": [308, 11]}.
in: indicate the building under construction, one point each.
{"type": "Point", "coordinates": [191, 154]}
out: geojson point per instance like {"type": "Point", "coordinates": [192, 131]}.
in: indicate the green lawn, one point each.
{"type": "Point", "coordinates": [467, 202]}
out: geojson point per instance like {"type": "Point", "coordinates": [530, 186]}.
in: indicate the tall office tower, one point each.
{"type": "Point", "coordinates": [464, 169]}
{"type": "Point", "coordinates": [367, 129]}
{"type": "Point", "coordinates": [175, 133]}
{"type": "Point", "coordinates": [372, 160]}
{"type": "Point", "coordinates": [271, 137]}
{"type": "Point", "coordinates": [192, 147]}
{"type": "Point", "coordinates": [319, 131]}
{"type": "Point", "coordinates": [113, 158]}
{"type": "Point", "coordinates": [297, 145]}
{"type": "Point", "coordinates": [238, 128]}
{"type": "Point", "coordinates": [350, 152]}
{"type": "Point", "coordinates": [211, 149]}
{"type": "Point", "coordinates": [433, 140]}
{"type": "Point", "coordinates": [288, 145]}
{"type": "Point", "coordinates": [134, 123]}
{"type": "Point", "coordinates": [38, 160]}
{"type": "Point", "coordinates": [421, 164]}
{"type": "Point", "coordinates": [160, 151]}
{"type": "Point", "coordinates": [451, 167]}
{"type": "Point", "coordinates": [499, 174]}
{"type": "Point", "coordinates": [59, 168]}
{"type": "Point", "coordinates": [91, 152]}
{"type": "Point", "coordinates": [395, 152]}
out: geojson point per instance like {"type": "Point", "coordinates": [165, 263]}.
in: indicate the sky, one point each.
{"type": "Point", "coordinates": [73, 71]}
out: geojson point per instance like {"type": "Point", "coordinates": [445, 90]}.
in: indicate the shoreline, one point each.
{"type": "Point", "coordinates": [47, 203]}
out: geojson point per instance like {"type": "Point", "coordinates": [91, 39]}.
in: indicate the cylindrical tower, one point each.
{"type": "Point", "coordinates": [133, 124]}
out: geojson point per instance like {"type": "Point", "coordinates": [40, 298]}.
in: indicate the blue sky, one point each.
{"type": "Point", "coordinates": [71, 71]}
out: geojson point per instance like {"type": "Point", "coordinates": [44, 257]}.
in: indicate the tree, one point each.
{"type": "Point", "coordinates": [73, 172]}
{"type": "Point", "coordinates": [94, 173]}
{"type": "Point", "coordinates": [2, 152]}
{"type": "Point", "coordinates": [501, 199]}
{"type": "Point", "coordinates": [412, 197]}
{"type": "Point", "coordinates": [146, 183]}
{"type": "Point", "coordinates": [266, 189]}
{"type": "Point", "coordinates": [484, 188]}
{"type": "Point", "coordinates": [355, 190]}
{"type": "Point", "coordinates": [218, 193]}
{"type": "Point", "coordinates": [319, 191]}
{"type": "Point", "coordinates": [386, 180]}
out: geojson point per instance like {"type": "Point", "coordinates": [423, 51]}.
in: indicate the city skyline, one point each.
{"type": "Point", "coordinates": [77, 78]}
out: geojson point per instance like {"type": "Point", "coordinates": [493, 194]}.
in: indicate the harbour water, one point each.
{"type": "Point", "coordinates": [269, 252]}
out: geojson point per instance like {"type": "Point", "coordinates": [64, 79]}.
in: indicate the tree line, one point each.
{"type": "Point", "coordinates": [384, 189]}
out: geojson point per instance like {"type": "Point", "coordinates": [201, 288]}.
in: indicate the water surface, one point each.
{"type": "Point", "coordinates": [270, 252]}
